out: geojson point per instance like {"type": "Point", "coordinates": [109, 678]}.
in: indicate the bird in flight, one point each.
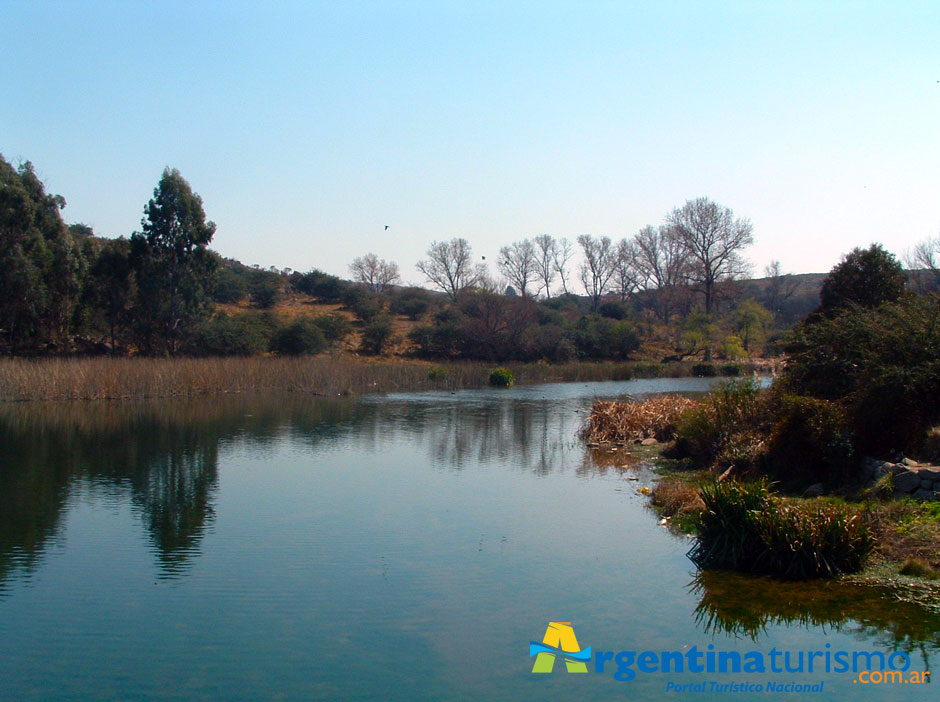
{"type": "Point", "coordinates": [386, 227]}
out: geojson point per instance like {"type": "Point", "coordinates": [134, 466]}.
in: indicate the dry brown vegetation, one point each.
{"type": "Point", "coordinates": [618, 422]}
{"type": "Point", "coordinates": [676, 498]}
{"type": "Point", "coordinates": [138, 377]}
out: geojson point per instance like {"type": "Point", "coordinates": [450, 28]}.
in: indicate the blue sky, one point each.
{"type": "Point", "coordinates": [307, 127]}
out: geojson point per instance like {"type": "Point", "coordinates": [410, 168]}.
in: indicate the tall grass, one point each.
{"type": "Point", "coordinates": [618, 422]}
{"type": "Point", "coordinates": [744, 528]}
{"type": "Point", "coordinates": [127, 378]}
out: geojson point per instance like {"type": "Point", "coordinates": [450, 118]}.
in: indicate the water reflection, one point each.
{"type": "Point", "coordinates": [163, 456]}
{"type": "Point", "coordinates": [742, 606]}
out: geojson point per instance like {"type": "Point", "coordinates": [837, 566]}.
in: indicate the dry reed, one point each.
{"type": "Point", "coordinates": [136, 378]}
{"type": "Point", "coordinates": [618, 422]}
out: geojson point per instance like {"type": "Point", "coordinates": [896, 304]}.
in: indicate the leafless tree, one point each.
{"type": "Point", "coordinates": [519, 264]}
{"type": "Point", "coordinates": [780, 286]}
{"type": "Point", "coordinates": [712, 240]}
{"type": "Point", "coordinates": [926, 256]}
{"type": "Point", "coordinates": [661, 264]}
{"type": "Point", "coordinates": [375, 272]}
{"type": "Point", "coordinates": [600, 259]}
{"type": "Point", "coordinates": [625, 269]}
{"type": "Point", "coordinates": [560, 257]}
{"type": "Point", "coordinates": [450, 266]}
{"type": "Point", "coordinates": [546, 248]}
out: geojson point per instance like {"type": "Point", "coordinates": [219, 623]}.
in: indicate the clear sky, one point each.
{"type": "Point", "coordinates": [307, 127]}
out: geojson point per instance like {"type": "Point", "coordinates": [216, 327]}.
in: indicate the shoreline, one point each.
{"type": "Point", "coordinates": [103, 378]}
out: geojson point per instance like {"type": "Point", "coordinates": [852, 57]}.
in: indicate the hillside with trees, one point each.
{"type": "Point", "coordinates": [670, 292]}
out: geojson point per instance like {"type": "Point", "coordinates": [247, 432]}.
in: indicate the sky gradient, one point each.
{"type": "Point", "coordinates": [308, 127]}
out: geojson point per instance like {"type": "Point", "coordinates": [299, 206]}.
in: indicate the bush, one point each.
{"type": "Point", "coordinates": [334, 327]}
{"type": "Point", "coordinates": [230, 287]}
{"type": "Point", "coordinates": [300, 337]}
{"type": "Point", "coordinates": [725, 428]}
{"type": "Point", "coordinates": [229, 336]}
{"type": "Point", "coordinates": [613, 310]}
{"type": "Point", "coordinates": [882, 365]}
{"type": "Point", "coordinates": [501, 377]}
{"type": "Point", "coordinates": [731, 370]}
{"type": "Point", "coordinates": [265, 290]}
{"type": "Point", "coordinates": [810, 440]}
{"type": "Point", "coordinates": [704, 370]}
{"type": "Point", "coordinates": [327, 288]}
{"type": "Point", "coordinates": [411, 302]}
{"type": "Point", "coordinates": [743, 528]}
{"type": "Point", "coordinates": [437, 374]}
{"type": "Point", "coordinates": [377, 336]}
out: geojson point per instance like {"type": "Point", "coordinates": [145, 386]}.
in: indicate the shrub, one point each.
{"type": "Point", "coordinates": [378, 336]}
{"type": "Point", "coordinates": [265, 290]}
{"type": "Point", "coordinates": [810, 440]}
{"type": "Point", "coordinates": [229, 336]}
{"type": "Point", "coordinates": [612, 310]}
{"type": "Point", "coordinates": [501, 377]}
{"type": "Point", "coordinates": [725, 427]}
{"type": "Point", "coordinates": [230, 287]}
{"type": "Point", "coordinates": [704, 370]}
{"type": "Point", "coordinates": [334, 327]}
{"type": "Point", "coordinates": [411, 302]}
{"type": "Point", "coordinates": [300, 337]}
{"type": "Point", "coordinates": [731, 370]}
{"type": "Point", "coordinates": [437, 374]}
{"type": "Point", "coordinates": [744, 528]}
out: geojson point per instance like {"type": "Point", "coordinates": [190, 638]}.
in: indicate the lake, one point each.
{"type": "Point", "coordinates": [399, 547]}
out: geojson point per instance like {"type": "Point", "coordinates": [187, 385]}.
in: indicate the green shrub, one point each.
{"type": "Point", "coordinates": [378, 336]}
{"type": "Point", "coordinates": [731, 370]}
{"type": "Point", "coordinates": [265, 290]}
{"type": "Point", "coordinates": [230, 287]}
{"type": "Point", "coordinates": [648, 370]}
{"type": "Point", "coordinates": [725, 428]}
{"type": "Point", "coordinates": [300, 337]}
{"type": "Point", "coordinates": [437, 374]}
{"type": "Point", "coordinates": [704, 370]}
{"type": "Point", "coordinates": [744, 528]}
{"type": "Point", "coordinates": [501, 377]}
{"type": "Point", "coordinates": [335, 327]}
{"type": "Point", "coordinates": [810, 440]}
{"type": "Point", "coordinates": [223, 335]}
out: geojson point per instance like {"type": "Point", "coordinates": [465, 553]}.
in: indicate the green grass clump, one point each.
{"type": "Point", "coordinates": [501, 377]}
{"type": "Point", "coordinates": [744, 528]}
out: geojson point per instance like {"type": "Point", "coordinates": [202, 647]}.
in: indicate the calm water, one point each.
{"type": "Point", "coordinates": [400, 547]}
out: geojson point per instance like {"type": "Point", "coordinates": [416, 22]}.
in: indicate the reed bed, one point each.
{"type": "Point", "coordinates": [138, 378]}
{"type": "Point", "coordinates": [619, 423]}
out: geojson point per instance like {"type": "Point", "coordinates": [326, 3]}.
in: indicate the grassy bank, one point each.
{"type": "Point", "coordinates": [135, 378]}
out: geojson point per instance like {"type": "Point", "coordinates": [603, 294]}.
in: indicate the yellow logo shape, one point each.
{"type": "Point", "coordinates": [560, 635]}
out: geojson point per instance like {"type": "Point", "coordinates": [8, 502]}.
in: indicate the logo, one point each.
{"type": "Point", "coordinates": [559, 640]}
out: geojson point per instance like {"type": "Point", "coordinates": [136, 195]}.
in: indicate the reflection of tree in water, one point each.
{"type": "Point", "coordinates": [533, 435]}
{"type": "Point", "coordinates": [164, 453]}
{"type": "Point", "coordinates": [740, 605]}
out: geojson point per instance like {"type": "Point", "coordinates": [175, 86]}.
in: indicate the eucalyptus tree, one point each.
{"type": "Point", "coordinates": [174, 269]}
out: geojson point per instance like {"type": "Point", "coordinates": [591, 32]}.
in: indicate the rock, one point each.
{"type": "Point", "coordinates": [910, 462]}
{"type": "Point", "coordinates": [923, 495]}
{"type": "Point", "coordinates": [926, 484]}
{"type": "Point", "coordinates": [649, 442]}
{"type": "Point", "coordinates": [815, 490]}
{"type": "Point", "coordinates": [897, 468]}
{"type": "Point", "coordinates": [882, 470]}
{"type": "Point", "coordinates": [929, 473]}
{"type": "Point", "coordinates": [906, 481]}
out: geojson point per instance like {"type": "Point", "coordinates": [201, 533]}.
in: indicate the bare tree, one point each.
{"type": "Point", "coordinates": [546, 248]}
{"type": "Point", "coordinates": [712, 239]}
{"type": "Point", "coordinates": [926, 256]}
{"type": "Point", "coordinates": [600, 259]}
{"type": "Point", "coordinates": [519, 264]}
{"type": "Point", "coordinates": [661, 264]}
{"type": "Point", "coordinates": [450, 267]}
{"type": "Point", "coordinates": [560, 257]}
{"type": "Point", "coordinates": [625, 270]}
{"type": "Point", "coordinates": [375, 272]}
{"type": "Point", "coordinates": [780, 286]}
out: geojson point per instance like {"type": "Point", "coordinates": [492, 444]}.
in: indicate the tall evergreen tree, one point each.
{"type": "Point", "coordinates": [173, 266]}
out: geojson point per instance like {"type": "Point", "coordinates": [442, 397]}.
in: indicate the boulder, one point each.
{"type": "Point", "coordinates": [906, 481]}
{"type": "Point", "coordinates": [924, 495]}
{"type": "Point", "coordinates": [815, 490]}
